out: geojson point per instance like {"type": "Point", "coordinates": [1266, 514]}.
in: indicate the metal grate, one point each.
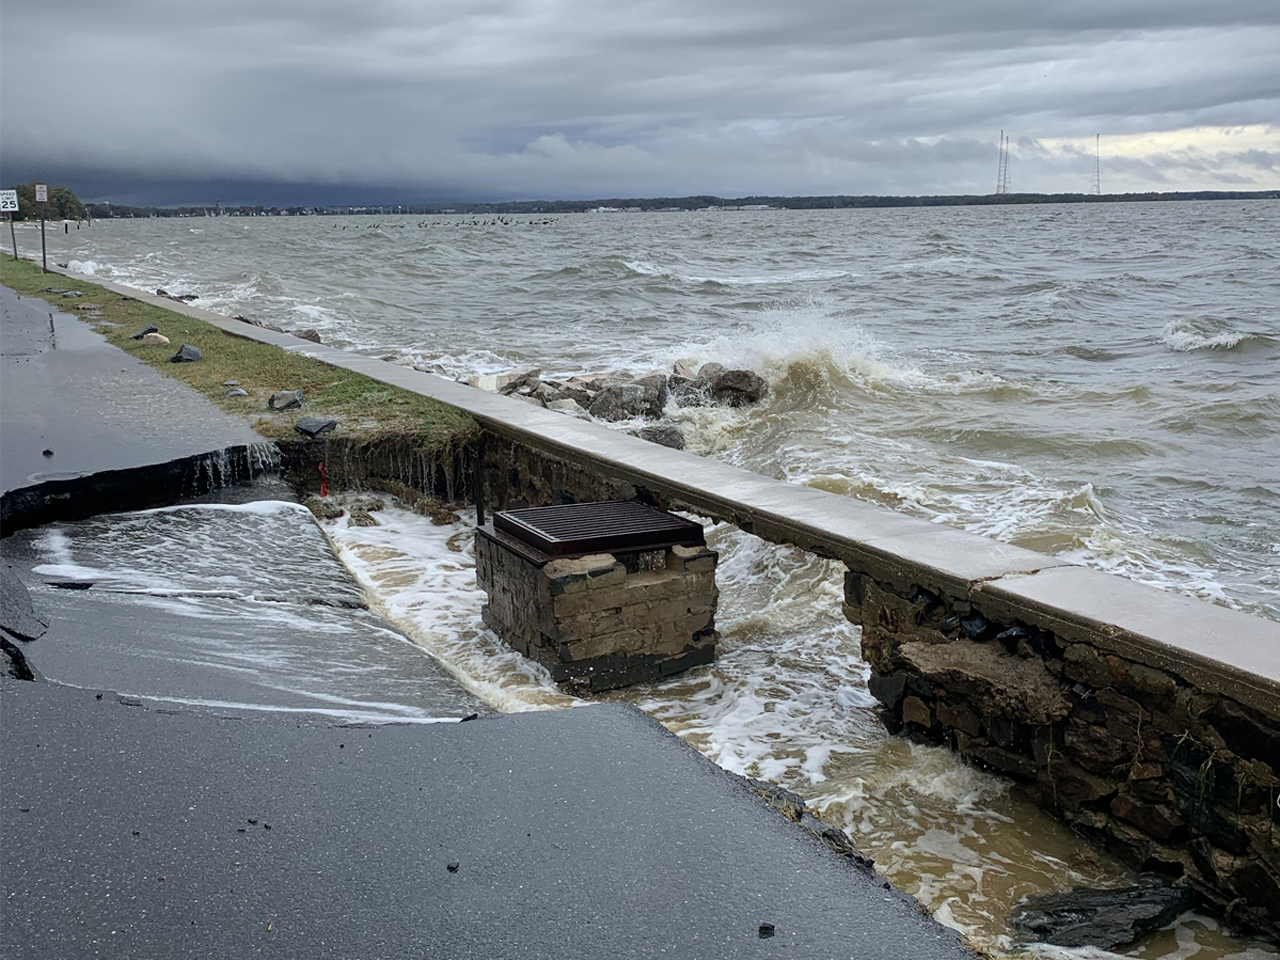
{"type": "Point", "coordinates": [577, 529]}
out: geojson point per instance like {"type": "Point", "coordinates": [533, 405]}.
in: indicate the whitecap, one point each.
{"type": "Point", "coordinates": [1186, 334]}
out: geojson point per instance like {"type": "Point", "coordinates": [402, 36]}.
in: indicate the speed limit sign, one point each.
{"type": "Point", "coordinates": [8, 201]}
{"type": "Point", "coordinates": [42, 192]}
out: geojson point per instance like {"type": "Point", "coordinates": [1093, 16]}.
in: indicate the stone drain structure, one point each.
{"type": "Point", "coordinates": [599, 621]}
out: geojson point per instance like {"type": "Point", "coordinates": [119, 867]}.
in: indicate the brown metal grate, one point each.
{"type": "Point", "coordinates": [577, 529]}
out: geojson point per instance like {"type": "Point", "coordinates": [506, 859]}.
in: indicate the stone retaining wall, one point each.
{"type": "Point", "coordinates": [1173, 779]}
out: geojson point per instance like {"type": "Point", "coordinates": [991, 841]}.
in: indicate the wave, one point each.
{"type": "Point", "coordinates": [1204, 333]}
{"type": "Point", "coordinates": [803, 349]}
{"type": "Point", "coordinates": [646, 269]}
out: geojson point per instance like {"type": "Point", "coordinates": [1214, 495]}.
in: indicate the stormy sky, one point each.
{"type": "Point", "coordinates": [174, 101]}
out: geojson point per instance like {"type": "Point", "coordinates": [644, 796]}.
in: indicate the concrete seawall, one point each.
{"type": "Point", "coordinates": [1145, 719]}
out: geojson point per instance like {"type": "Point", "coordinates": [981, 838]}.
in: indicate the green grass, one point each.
{"type": "Point", "coordinates": [364, 408]}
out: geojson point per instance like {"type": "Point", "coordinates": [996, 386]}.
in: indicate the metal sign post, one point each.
{"type": "Point", "coordinates": [42, 198]}
{"type": "Point", "coordinates": [9, 206]}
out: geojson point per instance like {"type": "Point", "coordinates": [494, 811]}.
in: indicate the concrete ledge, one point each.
{"type": "Point", "coordinates": [1215, 645]}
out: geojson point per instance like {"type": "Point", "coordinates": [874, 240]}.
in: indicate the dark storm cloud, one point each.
{"type": "Point", "coordinates": [576, 98]}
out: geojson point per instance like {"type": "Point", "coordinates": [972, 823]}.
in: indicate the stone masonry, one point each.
{"type": "Point", "coordinates": [601, 621]}
{"type": "Point", "coordinates": [1173, 779]}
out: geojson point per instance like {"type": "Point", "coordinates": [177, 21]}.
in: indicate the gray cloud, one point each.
{"type": "Point", "coordinates": [577, 98]}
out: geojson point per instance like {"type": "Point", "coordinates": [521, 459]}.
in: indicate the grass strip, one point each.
{"type": "Point", "coordinates": [365, 409]}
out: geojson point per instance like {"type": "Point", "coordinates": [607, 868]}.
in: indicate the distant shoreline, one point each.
{"type": "Point", "coordinates": [106, 211]}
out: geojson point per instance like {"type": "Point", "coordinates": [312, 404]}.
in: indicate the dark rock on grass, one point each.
{"type": "Point", "coordinates": [17, 615]}
{"type": "Point", "coordinates": [285, 399]}
{"type": "Point", "coordinates": [149, 328]}
{"type": "Point", "coordinates": [737, 388]}
{"type": "Point", "coordinates": [72, 293]}
{"type": "Point", "coordinates": [1099, 918]}
{"type": "Point", "coordinates": [236, 392]}
{"type": "Point", "coordinates": [231, 383]}
{"type": "Point", "coordinates": [314, 427]}
{"type": "Point", "coordinates": [186, 354]}
{"type": "Point", "coordinates": [665, 435]}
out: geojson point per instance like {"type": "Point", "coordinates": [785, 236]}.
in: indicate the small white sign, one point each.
{"type": "Point", "coordinates": [42, 192]}
{"type": "Point", "coordinates": [8, 201]}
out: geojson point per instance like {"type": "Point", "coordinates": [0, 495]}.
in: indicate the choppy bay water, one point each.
{"type": "Point", "coordinates": [1100, 382]}
{"type": "Point", "coordinates": [1097, 382]}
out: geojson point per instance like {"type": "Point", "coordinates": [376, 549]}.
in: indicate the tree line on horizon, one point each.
{"type": "Point", "coordinates": [64, 204]}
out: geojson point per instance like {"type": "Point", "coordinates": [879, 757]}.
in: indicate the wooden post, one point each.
{"type": "Point", "coordinates": [44, 254]}
{"type": "Point", "coordinates": [14, 237]}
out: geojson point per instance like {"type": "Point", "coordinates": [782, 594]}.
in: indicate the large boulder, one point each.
{"type": "Point", "coordinates": [664, 434]}
{"type": "Point", "coordinates": [499, 382]}
{"type": "Point", "coordinates": [571, 407]}
{"type": "Point", "coordinates": [517, 382]}
{"type": "Point", "coordinates": [709, 371]}
{"type": "Point", "coordinates": [737, 388]}
{"type": "Point", "coordinates": [618, 401]}
{"type": "Point", "coordinates": [656, 393]}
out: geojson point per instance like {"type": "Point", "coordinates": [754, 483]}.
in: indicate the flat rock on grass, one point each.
{"type": "Point", "coordinates": [314, 427]}
{"type": "Point", "coordinates": [285, 399]}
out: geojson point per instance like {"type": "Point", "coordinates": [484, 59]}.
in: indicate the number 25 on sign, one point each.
{"type": "Point", "coordinates": [9, 205]}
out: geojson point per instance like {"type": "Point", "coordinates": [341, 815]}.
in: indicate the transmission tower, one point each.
{"type": "Point", "coordinates": [1002, 168]}
{"type": "Point", "coordinates": [1096, 186]}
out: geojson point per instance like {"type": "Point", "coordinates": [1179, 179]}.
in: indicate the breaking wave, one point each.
{"type": "Point", "coordinates": [1204, 333]}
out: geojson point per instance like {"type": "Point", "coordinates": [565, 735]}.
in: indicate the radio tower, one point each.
{"type": "Point", "coordinates": [1096, 186]}
{"type": "Point", "coordinates": [1002, 168]}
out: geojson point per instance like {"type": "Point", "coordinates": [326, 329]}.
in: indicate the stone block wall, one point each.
{"type": "Point", "coordinates": [516, 476]}
{"type": "Point", "coordinates": [1173, 779]}
{"type": "Point", "coordinates": [601, 622]}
